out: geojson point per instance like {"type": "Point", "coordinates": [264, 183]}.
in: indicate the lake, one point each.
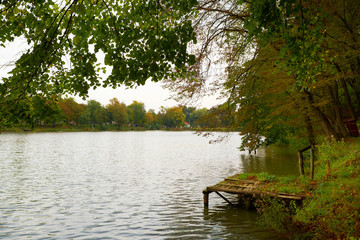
{"type": "Point", "coordinates": [126, 185]}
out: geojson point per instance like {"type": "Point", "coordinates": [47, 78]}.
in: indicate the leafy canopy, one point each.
{"type": "Point", "coordinates": [292, 67]}
{"type": "Point", "coordinates": [68, 40]}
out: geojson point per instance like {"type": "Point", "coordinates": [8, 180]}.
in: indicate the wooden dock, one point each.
{"type": "Point", "coordinates": [248, 191]}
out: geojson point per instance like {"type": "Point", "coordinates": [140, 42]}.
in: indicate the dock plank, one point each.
{"type": "Point", "coordinates": [252, 188]}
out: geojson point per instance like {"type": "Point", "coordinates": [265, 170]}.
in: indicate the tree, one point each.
{"type": "Point", "coordinates": [152, 120]}
{"type": "Point", "coordinates": [197, 116]}
{"type": "Point", "coordinates": [290, 65]}
{"type": "Point", "coordinates": [118, 112]}
{"type": "Point", "coordinates": [137, 113]}
{"type": "Point", "coordinates": [303, 33]}
{"type": "Point", "coordinates": [71, 109]}
{"type": "Point", "coordinates": [46, 111]}
{"type": "Point", "coordinates": [216, 117]}
{"type": "Point", "coordinates": [188, 113]}
{"type": "Point", "coordinates": [139, 40]}
{"type": "Point", "coordinates": [93, 114]}
{"type": "Point", "coordinates": [174, 117]}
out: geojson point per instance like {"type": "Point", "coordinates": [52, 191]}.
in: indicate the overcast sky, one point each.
{"type": "Point", "coordinates": [151, 94]}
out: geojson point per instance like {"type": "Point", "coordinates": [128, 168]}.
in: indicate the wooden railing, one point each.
{"type": "Point", "coordinates": [312, 160]}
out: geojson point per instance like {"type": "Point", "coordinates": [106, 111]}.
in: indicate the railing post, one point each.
{"type": "Point", "coordinates": [312, 162]}
{"type": "Point", "coordinates": [301, 163]}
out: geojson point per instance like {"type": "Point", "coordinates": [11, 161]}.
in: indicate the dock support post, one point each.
{"type": "Point", "coordinates": [224, 198]}
{"type": "Point", "coordinates": [247, 203]}
{"type": "Point", "coordinates": [206, 198]}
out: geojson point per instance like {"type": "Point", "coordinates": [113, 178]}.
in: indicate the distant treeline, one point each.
{"type": "Point", "coordinates": [117, 115]}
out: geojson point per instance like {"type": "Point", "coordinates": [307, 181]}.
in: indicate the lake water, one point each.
{"type": "Point", "coordinates": [125, 185]}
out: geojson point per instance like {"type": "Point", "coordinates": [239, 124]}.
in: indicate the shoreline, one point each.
{"type": "Point", "coordinates": [331, 209]}
{"type": "Point", "coordinates": [25, 129]}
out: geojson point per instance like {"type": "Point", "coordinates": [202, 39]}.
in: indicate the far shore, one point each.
{"type": "Point", "coordinates": [36, 129]}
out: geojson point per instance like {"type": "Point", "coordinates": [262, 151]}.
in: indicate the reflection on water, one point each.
{"type": "Point", "coordinates": [125, 185]}
{"type": "Point", "coordinates": [273, 160]}
{"type": "Point", "coordinates": [224, 217]}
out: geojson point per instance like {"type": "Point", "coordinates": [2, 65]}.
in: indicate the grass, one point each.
{"type": "Point", "coordinates": [332, 209]}
{"type": "Point", "coordinates": [284, 184]}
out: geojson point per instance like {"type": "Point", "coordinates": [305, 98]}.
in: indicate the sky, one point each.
{"type": "Point", "coordinates": [153, 95]}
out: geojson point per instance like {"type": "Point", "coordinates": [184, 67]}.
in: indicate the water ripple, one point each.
{"type": "Point", "coordinates": [118, 185]}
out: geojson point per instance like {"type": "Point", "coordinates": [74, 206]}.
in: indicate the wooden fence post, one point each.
{"type": "Point", "coordinates": [312, 162]}
{"type": "Point", "coordinates": [301, 163]}
{"type": "Point", "coordinates": [301, 159]}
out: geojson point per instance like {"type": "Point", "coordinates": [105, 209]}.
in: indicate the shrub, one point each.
{"type": "Point", "coordinates": [275, 214]}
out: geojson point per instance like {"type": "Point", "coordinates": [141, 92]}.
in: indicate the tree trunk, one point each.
{"type": "Point", "coordinates": [357, 95]}
{"type": "Point", "coordinates": [348, 99]}
{"type": "Point", "coordinates": [310, 130]}
{"type": "Point", "coordinates": [312, 162]}
{"type": "Point", "coordinates": [336, 106]}
{"type": "Point", "coordinates": [347, 95]}
{"type": "Point", "coordinates": [325, 123]}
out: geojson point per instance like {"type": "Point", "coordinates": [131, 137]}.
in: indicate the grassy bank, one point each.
{"type": "Point", "coordinates": [332, 209]}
